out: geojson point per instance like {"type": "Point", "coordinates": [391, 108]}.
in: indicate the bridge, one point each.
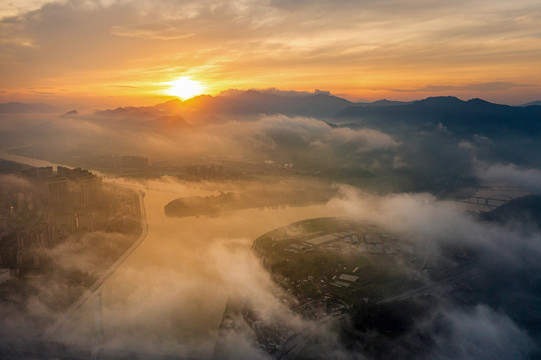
{"type": "Point", "coordinates": [489, 197]}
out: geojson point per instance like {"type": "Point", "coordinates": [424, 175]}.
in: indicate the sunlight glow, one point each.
{"type": "Point", "coordinates": [185, 88]}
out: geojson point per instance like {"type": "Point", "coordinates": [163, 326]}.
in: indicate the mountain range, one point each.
{"type": "Point", "coordinates": [461, 117]}
{"type": "Point", "coordinates": [475, 116]}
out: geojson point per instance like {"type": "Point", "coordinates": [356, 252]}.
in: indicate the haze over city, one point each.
{"type": "Point", "coordinates": [270, 179]}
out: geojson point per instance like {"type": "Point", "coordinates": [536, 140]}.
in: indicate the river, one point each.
{"type": "Point", "coordinates": [168, 296]}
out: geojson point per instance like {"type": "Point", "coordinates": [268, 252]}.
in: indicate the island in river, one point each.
{"type": "Point", "coordinates": [226, 202]}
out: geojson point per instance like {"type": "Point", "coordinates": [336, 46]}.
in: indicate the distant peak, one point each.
{"type": "Point", "coordinates": [477, 100]}
{"type": "Point", "coordinates": [198, 99]}
{"type": "Point", "coordinates": [251, 92]}
{"type": "Point", "coordinates": [437, 100]}
{"type": "Point", "coordinates": [173, 101]}
{"type": "Point", "coordinates": [254, 94]}
{"type": "Point", "coordinates": [322, 94]}
{"type": "Point", "coordinates": [532, 103]}
{"type": "Point", "coordinates": [384, 103]}
{"type": "Point", "coordinates": [202, 96]}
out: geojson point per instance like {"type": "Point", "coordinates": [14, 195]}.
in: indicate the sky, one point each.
{"type": "Point", "coordinates": [121, 52]}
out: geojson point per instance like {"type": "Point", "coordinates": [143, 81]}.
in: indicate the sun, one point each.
{"type": "Point", "coordinates": [185, 88]}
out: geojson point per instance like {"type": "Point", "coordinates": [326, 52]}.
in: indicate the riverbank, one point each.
{"type": "Point", "coordinates": [85, 261]}
{"type": "Point", "coordinates": [49, 334]}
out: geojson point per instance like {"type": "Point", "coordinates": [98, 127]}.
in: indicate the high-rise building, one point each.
{"type": "Point", "coordinates": [90, 191]}
{"type": "Point", "coordinates": [57, 187]}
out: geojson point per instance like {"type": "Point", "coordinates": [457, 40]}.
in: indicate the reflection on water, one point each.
{"type": "Point", "coordinates": [27, 161]}
{"type": "Point", "coordinates": [169, 295]}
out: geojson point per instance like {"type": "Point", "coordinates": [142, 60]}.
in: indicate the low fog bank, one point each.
{"type": "Point", "coordinates": [48, 255]}
{"type": "Point", "coordinates": [496, 317]}
{"type": "Point", "coordinates": [419, 156]}
{"type": "Point", "coordinates": [431, 159]}
{"type": "Point", "coordinates": [502, 321]}
{"type": "Point", "coordinates": [527, 178]}
{"type": "Point", "coordinates": [169, 296]}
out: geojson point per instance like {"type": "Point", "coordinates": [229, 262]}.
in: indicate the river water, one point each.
{"type": "Point", "coordinates": [169, 295]}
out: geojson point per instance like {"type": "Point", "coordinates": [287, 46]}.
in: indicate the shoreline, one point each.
{"type": "Point", "coordinates": [49, 333]}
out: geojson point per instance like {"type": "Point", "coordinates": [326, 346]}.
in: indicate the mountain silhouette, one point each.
{"type": "Point", "coordinates": [533, 103]}
{"type": "Point", "coordinates": [475, 116]}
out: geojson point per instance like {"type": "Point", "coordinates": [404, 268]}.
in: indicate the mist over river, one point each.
{"type": "Point", "coordinates": [170, 293]}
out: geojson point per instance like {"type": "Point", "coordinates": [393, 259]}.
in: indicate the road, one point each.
{"type": "Point", "coordinates": [170, 293]}
{"type": "Point", "coordinates": [51, 331]}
